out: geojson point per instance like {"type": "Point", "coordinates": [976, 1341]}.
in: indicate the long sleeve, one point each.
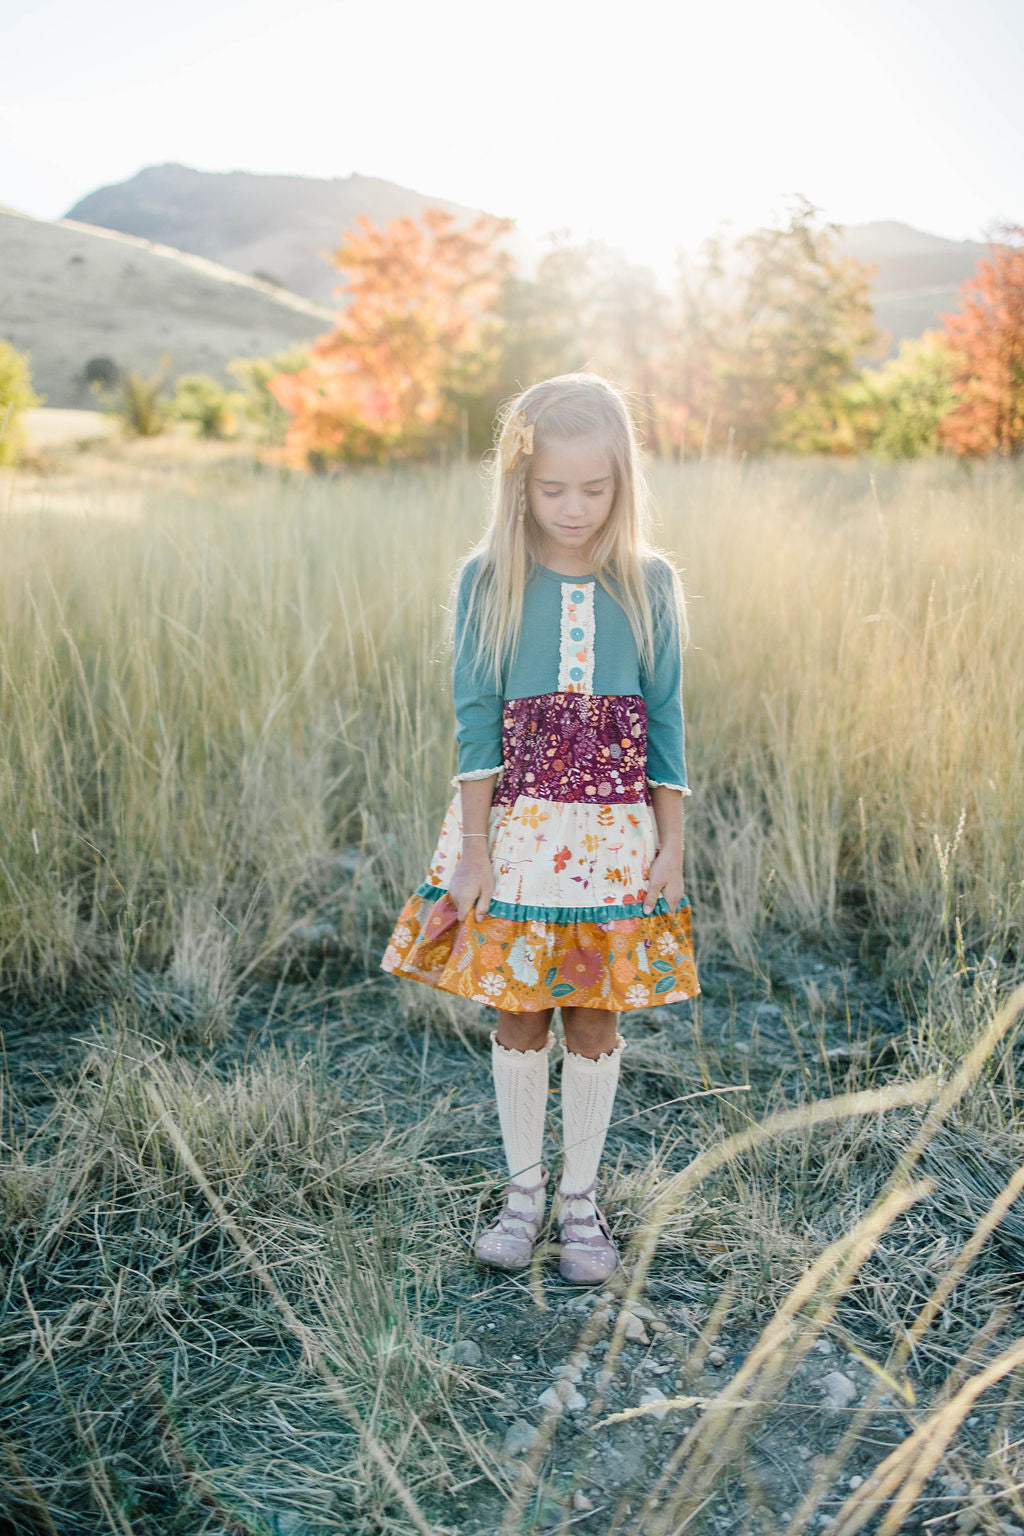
{"type": "Point", "coordinates": [662, 689]}
{"type": "Point", "coordinates": [478, 704]}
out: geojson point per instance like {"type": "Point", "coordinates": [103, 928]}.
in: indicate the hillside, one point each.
{"type": "Point", "coordinates": [280, 227]}
{"type": "Point", "coordinates": [70, 292]}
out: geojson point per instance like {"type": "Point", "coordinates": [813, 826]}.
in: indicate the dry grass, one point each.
{"type": "Point", "coordinates": [239, 1168]}
{"type": "Point", "coordinates": [202, 708]}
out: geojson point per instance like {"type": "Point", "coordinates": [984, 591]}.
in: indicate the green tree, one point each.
{"type": "Point", "coordinates": [896, 411]}
{"type": "Point", "coordinates": [802, 317]}
{"type": "Point", "coordinates": [261, 408]}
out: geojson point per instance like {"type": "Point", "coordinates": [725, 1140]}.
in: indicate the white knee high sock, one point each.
{"type": "Point", "coordinates": [588, 1093]}
{"type": "Point", "coordinates": [521, 1089]}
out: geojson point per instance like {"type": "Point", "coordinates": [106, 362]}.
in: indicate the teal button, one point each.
{"type": "Point", "coordinates": [577, 596]}
{"type": "Point", "coordinates": [576, 674]}
{"type": "Point", "coordinates": [577, 633]}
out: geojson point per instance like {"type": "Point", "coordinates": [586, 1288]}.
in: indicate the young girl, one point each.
{"type": "Point", "coordinates": [557, 880]}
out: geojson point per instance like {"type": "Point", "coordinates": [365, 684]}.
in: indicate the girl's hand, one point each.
{"type": "Point", "coordinates": [665, 879]}
{"type": "Point", "coordinates": [473, 879]}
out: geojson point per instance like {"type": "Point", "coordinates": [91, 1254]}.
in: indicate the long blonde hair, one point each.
{"type": "Point", "coordinates": [566, 406]}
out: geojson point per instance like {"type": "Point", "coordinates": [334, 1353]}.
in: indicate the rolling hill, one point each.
{"type": "Point", "coordinates": [280, 227]}
{"type": "Point", "coordinates": [70, 293]}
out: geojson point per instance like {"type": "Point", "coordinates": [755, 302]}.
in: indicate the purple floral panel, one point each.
{"type": "Point", "coordinates": [575, 747]}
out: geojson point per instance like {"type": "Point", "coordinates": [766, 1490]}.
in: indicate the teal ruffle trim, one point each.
{"type": "Point", "coordinates": [606, 914]}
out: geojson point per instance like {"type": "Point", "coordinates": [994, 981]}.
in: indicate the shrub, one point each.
{"type": "Point", "coordinates": [16, 395]}
{"type": "Point", "coordinates": [138, 405]}
{"type": "Point", "coordinates": [202, 400]}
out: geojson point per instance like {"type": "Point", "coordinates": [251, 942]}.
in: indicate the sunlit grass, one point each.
{"type": "Point", "coordinates": [201, 710]}
{"type": "Point", "coordinates": [236, 1230]}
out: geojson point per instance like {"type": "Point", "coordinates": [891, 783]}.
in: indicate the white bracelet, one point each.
{"type": "Point", "coordinates": [474, 834]}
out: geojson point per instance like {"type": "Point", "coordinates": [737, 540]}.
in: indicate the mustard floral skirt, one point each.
{"type": "Point", "coordinates": [565, 925]}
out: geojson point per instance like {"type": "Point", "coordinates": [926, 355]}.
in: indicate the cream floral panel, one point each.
{"type": "Point", "coordinates": [564, 854]}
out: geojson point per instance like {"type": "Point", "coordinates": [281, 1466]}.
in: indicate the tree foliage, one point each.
{"type": "Point", "coordinates": [802, 317]}
{"type": "Point", "coordinates": [762, 344]}
{"type": "Point", "coordinates": [417, 339]}
{"type": "Point", "coordinates": [896, 411]}
{"type": "Point", "coordinates": [763, 336]}
{"type": "Point", "coordinates": [988, 332]}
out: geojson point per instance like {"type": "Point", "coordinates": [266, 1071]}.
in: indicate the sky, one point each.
{"type": "Point", "coordinates": [648, 124]}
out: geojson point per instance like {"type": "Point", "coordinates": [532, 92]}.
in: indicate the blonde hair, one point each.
{"type": "Point", "coordinates": [566, 406]}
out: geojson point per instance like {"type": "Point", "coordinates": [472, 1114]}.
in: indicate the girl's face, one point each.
{"type": "Point", "coordinates": [571, 489]}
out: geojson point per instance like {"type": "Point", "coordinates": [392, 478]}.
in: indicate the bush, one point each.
{"type": "Point", "coordinates": [102, 373]}
{"type": "Point", "coordinates": [138, 406]}
{"type": "Point", "coordinates": [16, 395]}
{"type": "Point", "coordinates": [202, 400]}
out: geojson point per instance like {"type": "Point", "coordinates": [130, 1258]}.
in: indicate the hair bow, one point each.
{"type": "Point", "coordinates": [517, 438]}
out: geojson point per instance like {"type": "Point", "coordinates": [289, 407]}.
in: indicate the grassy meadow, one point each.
{"type": "Point", "coordinates": [241, 1169]}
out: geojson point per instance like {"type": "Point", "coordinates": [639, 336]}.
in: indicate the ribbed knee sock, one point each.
{"type": "Point", "coordinates": [521, 1089]}
{"type": "Point", "coordinates": [588, 1093]}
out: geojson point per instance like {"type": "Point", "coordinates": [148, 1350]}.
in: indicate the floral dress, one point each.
{"type": "Point", "coordinates": [578, 735]}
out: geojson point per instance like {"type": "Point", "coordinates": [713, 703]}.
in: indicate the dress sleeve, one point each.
{"type": "Point", "coordinates": [478, 704]}
{"type": "Point", "coordinates": [662, 690]}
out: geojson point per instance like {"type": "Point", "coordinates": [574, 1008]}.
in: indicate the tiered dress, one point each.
{"type": "Point", "coordinates": [578, 734]}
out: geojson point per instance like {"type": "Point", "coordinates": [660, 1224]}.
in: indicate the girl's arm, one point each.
{"type": "Point", "coordinates": [662, 689]}
{"type": "Point", "coordinates": [666, 751]}
{"type": "Point", "coordinates": [666, 876]}
{"type": "Point", "coordinates": [478, 710]}
{"type": "Point", "coordinates": [476, 696]}
{"type": "Point", "coordinates": [473, 879]}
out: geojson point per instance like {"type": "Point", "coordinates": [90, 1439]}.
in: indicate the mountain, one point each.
{"type": "Point", "coordinates": [278, 227]}
{"type": "Point", "coordinates": [281, 227]}
{"type": "Point", "coordinates": [70, 293]}
{"type": "Point", "coordinates": [918, 277]}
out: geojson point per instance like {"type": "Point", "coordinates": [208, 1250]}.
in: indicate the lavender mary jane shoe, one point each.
{"type": "Point", "coordinates": [589, 1253]}
{"type": "Point", "coordinates": [509, 1241]}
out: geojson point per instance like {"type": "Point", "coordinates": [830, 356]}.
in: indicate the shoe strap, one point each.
{"type": "Point", "coordinates": [530, 1221]}
{"type": "Point", "coordinates": [530, 1189]}
{"type": "Point", "coordinates": [570, 1224]}
{"type": "Point", "coordinates": [581, 1194]}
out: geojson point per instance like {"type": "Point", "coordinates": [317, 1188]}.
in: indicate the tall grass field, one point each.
{"type": "Point", "coordinates": [241, 1169]}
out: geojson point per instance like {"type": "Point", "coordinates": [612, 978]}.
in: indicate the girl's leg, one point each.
{"type": "Point", "coordinates": [590, 1031]}
{"type": "Point", "coordinates": [520, 1049]}
{"type": "Point", "coordinates": [590, 1075]}
{"type": "Point", "coordinates": [524, 1031]}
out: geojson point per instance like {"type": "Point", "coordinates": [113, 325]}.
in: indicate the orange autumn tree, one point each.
{"type": "Point", "coordinates": [417, 338]}
{"type": "Point", "coordinates": [988, 331]}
